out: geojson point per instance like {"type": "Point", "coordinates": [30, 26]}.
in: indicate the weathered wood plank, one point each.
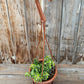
{"type": "Point", "coordinates": [80, 38]}
{"type": "Point", "coordinates": [69, 82]}
{"type": "Point", "coordinates": [20, 79]}
{"type": "Point", "coordinates": [10, 29]}
{"type": "Point", "coordinates": [76, 35]}
{"type": "Point", "coordinates": [17, 21]}
{"type": "Point", "coordinates": [5, 36]}
{"type": "Point", "coordinates": [67, 74]}
{"type": "Point", "coordinates": [14, 79]}
{"type": "Point", "coordinates": [26, 31]}
{"type": "Point", "coordinates": [52, 12]}
{"type": "Point", "coordinates": [71, 9]}
{"type": "Point", "coordinates": [22, 68]}
{"type": "Point", "coordinates": [13, 69]}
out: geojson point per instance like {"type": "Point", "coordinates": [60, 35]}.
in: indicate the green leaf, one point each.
{"type": "Point", "coordinates": [27, 74]}
{"type": "Point", "coordinates": [45, 75]}
{"type": "Point", "coordinates": [36, 61]}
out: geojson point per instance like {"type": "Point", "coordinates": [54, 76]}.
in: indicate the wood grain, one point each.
{"type": "Point", "coordinates": [14, 79]}
{"type": "Point", "coordinates": [22, 68]}
{"type": "Point", "coordinates": [71, 10]}
{"type": "Point", "coordinates": [17, 20]}
{"type": "Point", "coordinates": [61, 20]}
{"type": "Point", "coordinates": [80, 38]}
{"type": "Point", "coordinates": [5, 36]}
{"type": "Point", "coordinates": [13, 69]}
{"type": "Point", "coordinates": [67, 74]}
{"type": "Point", "coordinates": [20, 79]}
{"type": "Point", "coordinates": [52, 12]}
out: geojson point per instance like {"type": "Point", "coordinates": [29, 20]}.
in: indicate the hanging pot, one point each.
{"type": "Point", "coordinates": [50, 81]}
{"type": "Point", "coordinates": [50, 0]}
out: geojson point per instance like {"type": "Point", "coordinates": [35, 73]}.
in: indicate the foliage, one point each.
{"type": "Point", "coordinates": [36, 69]}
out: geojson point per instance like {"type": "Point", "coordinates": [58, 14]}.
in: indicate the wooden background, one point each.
{"type": "Point", "coordinates": [67, 74]}
{"type": "Point", "coordinates": [20, 27]}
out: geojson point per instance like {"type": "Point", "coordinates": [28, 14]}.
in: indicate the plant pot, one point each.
{"type": "Point", "coordinates": [50, 0]}
{"type": "Point", "coordinates": [50, 81]}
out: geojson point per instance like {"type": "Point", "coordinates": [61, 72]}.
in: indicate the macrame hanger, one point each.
{"type": "Point", "coordinates": [43, 20]}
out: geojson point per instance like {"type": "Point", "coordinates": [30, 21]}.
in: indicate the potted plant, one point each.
{"type": "Point", "coordinates": [42, 71]}
{"type": "Point", "coordinates": [49, 71]}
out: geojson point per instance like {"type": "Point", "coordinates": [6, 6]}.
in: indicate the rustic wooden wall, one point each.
{"type": "Point", "coordinates": [20, 28]}
{"type": "Point", "coordinates": [65, 30]}
{"type": "Point", "coordinates": [5, 36]}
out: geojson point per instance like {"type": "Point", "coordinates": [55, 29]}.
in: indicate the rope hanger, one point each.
{"type": "Point", "coordinates": [43, 22]}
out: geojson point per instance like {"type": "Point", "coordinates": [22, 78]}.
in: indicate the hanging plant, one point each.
{"type": "Point", "coordinates": [36, 70]}
{"type": "Point", "coordinates": [42, 71]}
